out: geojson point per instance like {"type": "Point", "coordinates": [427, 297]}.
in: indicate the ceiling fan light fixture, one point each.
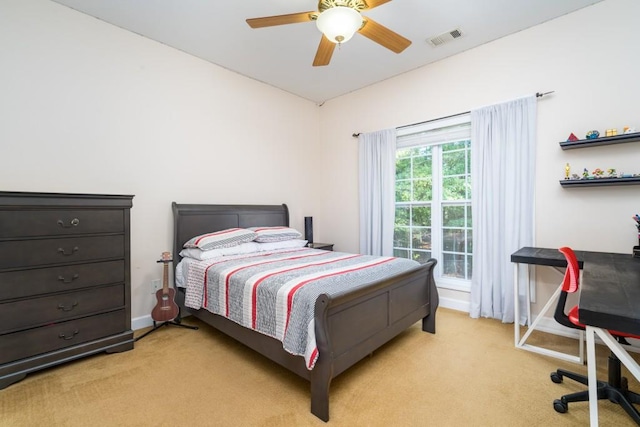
{"type": "Point", "coordinates": [339, 23]}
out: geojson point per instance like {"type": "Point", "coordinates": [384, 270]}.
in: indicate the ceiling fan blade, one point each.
{"type": "Point", "coordinates": [325, 50]}
{"type": "Point", "coordinates": [383, 36]}
{"type": "Point", "coordinates": [292, 18]}
{"type": "Point", "coordinates": [374, 3]}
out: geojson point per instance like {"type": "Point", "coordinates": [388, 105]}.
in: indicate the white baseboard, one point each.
{"type": "Point", "coordinates": [145, 322]}
{"type": "Point", "coordinates": [455, 304]}
{"type": "Point", "coordinates": [141, 322]}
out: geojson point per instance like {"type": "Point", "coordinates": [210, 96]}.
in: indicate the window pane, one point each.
{"type": "Point", "coordinates": [401, 253]}
{"type": "Point", "coordinates": [456, 145]}
{"type": "Point", "coordinates": [403, 168]}
{"type": "Point", "coordinates": [453, 240]}
{"type": "Point", "coordinates": [424, 151]}
{"type": "Point", "coordinates": [401, 237]}
{"type": "Point", "coordinates": [422, 190]}
{"type": "Point", "coordinates": [469, 222]}
{"type": "Point", "coordinates": [422, 216]}
{"type": "Point", "coordinates": [421, 238]}
{"type": "Point", "coordinates": [403, 191]}
{"type": "Point", "coordinates": [454, 188]}
{"type": "Point", "coordinates": [453, 216]}
{"type": "Point", "coordinates": [453, 163]}
{"type": "Point", "coordinates": [469, 242]}
{"type": "Point", "coordinates": [402, 215]}
{"type": "Point", "coordinates": [421, 256]}
{"type": "Point", "coordinates": [422, 167]}
{"type": "Point", "coordinates": [469, 266]}
{"type": "Point", "coordinates": [403, 152]}
{"type": "Point", "coordinates": [453, 266]}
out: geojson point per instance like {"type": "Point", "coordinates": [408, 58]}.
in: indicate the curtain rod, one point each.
{"type": "Point", "coordinates": [538, 95]}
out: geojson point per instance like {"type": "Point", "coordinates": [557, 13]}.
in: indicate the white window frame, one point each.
{"type": "Point", "coordinates": [463, 123]}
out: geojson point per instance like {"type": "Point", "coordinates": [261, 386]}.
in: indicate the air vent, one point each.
{"type": "Point", "coordinates": [445, 37]}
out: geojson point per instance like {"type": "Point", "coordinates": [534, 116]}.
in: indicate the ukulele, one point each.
{"type": "Point", "coordinates": [166, 309]}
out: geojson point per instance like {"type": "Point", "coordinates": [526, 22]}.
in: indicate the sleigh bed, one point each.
{"type": "Point", "coordinates": [349, 325]}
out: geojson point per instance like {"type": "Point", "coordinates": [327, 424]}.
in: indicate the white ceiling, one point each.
{"type": "Point", "coordinates": [281, 56]}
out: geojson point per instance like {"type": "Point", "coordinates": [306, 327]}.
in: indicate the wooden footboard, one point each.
{"type": "Point", "coordinates": [349, 326]}
{"type": "Point", "coordinates": [352, 325]}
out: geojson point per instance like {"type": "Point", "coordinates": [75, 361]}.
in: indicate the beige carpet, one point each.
{"type": "Point", "coordinates": [468, 374]}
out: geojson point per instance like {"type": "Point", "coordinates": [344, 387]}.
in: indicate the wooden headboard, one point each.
{"type": "Point", "coordinates": [192, 220]}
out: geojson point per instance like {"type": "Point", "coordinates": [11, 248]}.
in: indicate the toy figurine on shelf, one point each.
{"type": "Point", "coordinates": [585, 173]}
{"type": "Point", "coordinates": [611, 132]}
{"type": "Point", "coordinates": [575, 176]}
{"type": "Point", "coordinates": [628, 130]}
{"type": "Point", "coordinates": [598, 173]}
{"type": "Point", "coordinates": [567, 171]}
{"type": "Point", "coordinates": [572, 138]}
{"type": "Point", "coordinates": [593, 134]}
{"type": "Point", "coordinates": [612, 173]}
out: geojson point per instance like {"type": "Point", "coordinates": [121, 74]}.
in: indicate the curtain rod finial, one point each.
{"type": "Point", "coordinates": [540, 94]}
{"type": "Point", "coordinates": [355, 135]}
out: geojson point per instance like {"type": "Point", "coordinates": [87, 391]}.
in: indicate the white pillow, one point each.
{"type": "Point", "coordinates": [221, 239]}
{"type": "Point", "coordinates": [199, 254]}
{"type": "Point", "coordinates": [283, 244]}
{"type": "Point", "coordinates": [275, 234]}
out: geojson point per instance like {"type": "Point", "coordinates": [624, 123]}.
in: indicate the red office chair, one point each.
{"type": "Point", "coordinates": [616, 389]}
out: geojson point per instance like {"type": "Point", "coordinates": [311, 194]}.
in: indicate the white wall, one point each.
{"type": "Point", "coordinates": [89, 108]}
{"type": "Point", "coordinates": [589, 58]}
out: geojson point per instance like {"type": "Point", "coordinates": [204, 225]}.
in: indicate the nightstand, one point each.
{"type": "Point", "coordinates": [323, 246]}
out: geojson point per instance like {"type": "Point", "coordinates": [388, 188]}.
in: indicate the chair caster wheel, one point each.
{"type": "Point", "coordinates": [560, 406]}
{"type": "Point", "coordinates": [556, 378]}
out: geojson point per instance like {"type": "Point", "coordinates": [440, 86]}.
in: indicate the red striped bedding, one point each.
{"type": "Point", "coordinates": [275, 292]}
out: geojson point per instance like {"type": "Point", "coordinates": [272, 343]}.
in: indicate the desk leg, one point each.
{"type": "Point", "coordinates": [520, 342]}
{"type": "Point", "coordinates": [593, 379]}
{"type": "Point", "coordinates": [516, 304]}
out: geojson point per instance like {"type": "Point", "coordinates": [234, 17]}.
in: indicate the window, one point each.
{"type": "Point", "coordinates": [433, 198]}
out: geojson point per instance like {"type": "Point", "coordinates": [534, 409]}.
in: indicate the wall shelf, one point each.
{"type": "Point", "coordinates": [606, 140]}
{"type": "Point", "coordinates": [596, 182]}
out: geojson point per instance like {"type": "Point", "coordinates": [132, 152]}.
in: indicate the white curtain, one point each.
{"type": "Point", "coordinates": [377, 174]}
{"type": "Point", "coordinates": [502, 174]}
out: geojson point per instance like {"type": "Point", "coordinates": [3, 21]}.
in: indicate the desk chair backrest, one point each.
{"type": "Point", "coordinates": [572, 274]}
{"type": "Point", "coordinates": [569, 285]}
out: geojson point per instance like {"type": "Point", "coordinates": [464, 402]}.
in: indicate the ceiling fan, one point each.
{"type": "Point", "coordinates": [338, 20]}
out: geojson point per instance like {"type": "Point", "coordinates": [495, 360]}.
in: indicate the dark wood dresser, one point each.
{"type": "Point", "coordinates": [65, 286]}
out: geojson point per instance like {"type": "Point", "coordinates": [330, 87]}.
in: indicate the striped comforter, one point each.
{"type": "Point", "coordinates": [275, 292]}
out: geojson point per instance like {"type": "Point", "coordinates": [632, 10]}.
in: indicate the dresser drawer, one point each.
{"type": "Point", "coordinates": [28, 253]}
{"type": "Point", "coordinates": [59, 335]}
{"type": "Point", "coordinates": [59, 307]}
{"type": "Point", "coordinates": [38, 281]}
{"type": "Point", "coordinates": [32, 223]}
